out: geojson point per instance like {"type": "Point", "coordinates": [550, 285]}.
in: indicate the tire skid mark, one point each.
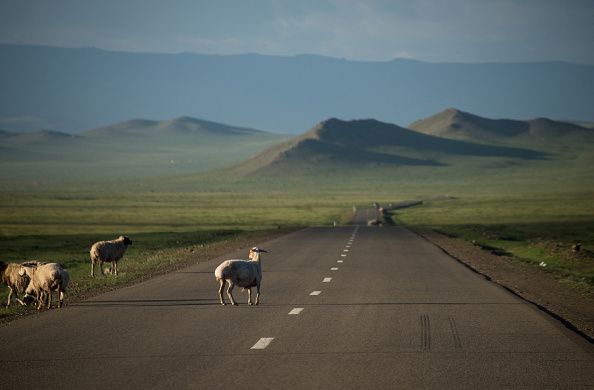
{"type": "Point", "coordinates": [455, 334]}
{"type": "Point", "coordinates": [425, 332]}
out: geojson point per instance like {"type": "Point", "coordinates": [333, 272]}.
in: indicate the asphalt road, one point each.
{"type": "Point", "coordinates": [397, 313]}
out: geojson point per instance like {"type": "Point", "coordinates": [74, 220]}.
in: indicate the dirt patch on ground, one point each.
{"type": "Point", "coordinates": [574, 308]}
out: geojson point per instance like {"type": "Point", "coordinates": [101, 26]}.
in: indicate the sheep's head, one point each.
{"type": "Point", "coordinates": [125, 240]}
{"type": "Point", "coordinates": [3, 266]}
{"type": "Point", "coordinates": [28, 299]}
{"type": "Point", "coordinates": [255, 250]}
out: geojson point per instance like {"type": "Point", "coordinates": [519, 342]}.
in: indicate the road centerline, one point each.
{"type": "Point", "coordinates": [262, 343]}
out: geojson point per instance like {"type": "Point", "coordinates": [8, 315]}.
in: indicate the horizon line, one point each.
{"type": "Point", "coordinates": [248, 53]}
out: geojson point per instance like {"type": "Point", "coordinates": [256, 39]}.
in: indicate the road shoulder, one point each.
{"type": "Point", "coordinates": [574, 309]}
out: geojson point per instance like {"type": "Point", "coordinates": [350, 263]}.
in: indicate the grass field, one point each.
{"type": "Point", "coordinates": [532, 229]}
{"type": "Point", "coordinates": [533, 209]}
{"type": "Point", "coordinates": [166, 228]}
{"type": "Point", "coordinates": [149, 255]}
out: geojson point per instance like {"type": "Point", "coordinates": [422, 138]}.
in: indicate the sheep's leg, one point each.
{"type": "Point", "coordinates": [222, 282]}
{"type": "Point", "coordinates": [114, 267]}
{"type": "Point", "coordinates": [49, 299]}
{"type": "Point", "coordinates": [258, 294]}
{"type": "Point", "coordinates": [92, 268]}
{"type": "Point", "coordinates": [250, 296]}
{"type": "Point", "coordinates": [9, 296]}
{"type": "Point", "coordinates": [230, 294]}
{"type": "Point", "coordinates": [60, 298]}
{"type": "Point", "coordinates": [40, 299]}
{"type": "Point", "coordinates": [101, 268]}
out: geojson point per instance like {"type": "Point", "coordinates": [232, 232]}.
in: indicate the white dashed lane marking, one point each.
{"type": "Point", "coordinates": [339, 261]}
{"type": "Point", "coordinates": [315, 293]}
{"type": "Point", "coordinates": [343, 255]}
{"type": "Point", "coordinates": [296, 310]}
{"type": "Point", "coordinates": [327, 280]}
{"type": "Point", "coordinates": [334, 269]}
{"type": "Point", "coordinates": [262, 343]}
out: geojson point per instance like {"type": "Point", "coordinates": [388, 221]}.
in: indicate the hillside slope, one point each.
{"type": "Point", "coordinates": [186, 127]}
{"type": "Point", "coordinates": [337, 144]}
{"type": "Point", "coordinates": [456, 124]}
{"type": "Point", "coordinates": [132, 148]}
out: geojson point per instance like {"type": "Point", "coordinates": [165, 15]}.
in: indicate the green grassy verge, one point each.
{"type": "Point", "coordinates": [151, 254]}
{"type": "Point", "coordinates": [533, 230]}
{"type": "Point", "coordinates": [167, 229]}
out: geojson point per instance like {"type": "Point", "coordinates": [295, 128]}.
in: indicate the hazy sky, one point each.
{"type": "Point", "coordinates": [430, 30]}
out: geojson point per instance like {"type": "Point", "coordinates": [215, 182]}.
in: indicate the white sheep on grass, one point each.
{"type": "Point", "coordinates": [242, 273]}
{"type": "Point", "coordinates": [108, 251]}
{"type": "Point", "coordinates": [14, 280]}
{"type": "Point", "coordinates": [44, 279]}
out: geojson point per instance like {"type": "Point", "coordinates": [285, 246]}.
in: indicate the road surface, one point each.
{"type": "Point", "coordinates": [342, 308]}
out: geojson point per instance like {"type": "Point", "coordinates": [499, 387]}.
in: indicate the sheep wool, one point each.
{"type": "Point", "coordinates": [242, 273]}
{"type": "Point", "coordinates": [45, 279]}
{"type": "Point", "coordinates": [108, 251]}
{"type": "Point", "coordinates": [16, 282]}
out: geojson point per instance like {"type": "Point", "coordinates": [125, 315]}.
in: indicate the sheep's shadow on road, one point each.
{"type": "Point", "coordinates": [149, 302]}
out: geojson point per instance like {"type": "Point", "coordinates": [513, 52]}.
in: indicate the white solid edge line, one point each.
{"type": "Point", "coordinates": [262, 343]}
{"type": "Point", "coordinates": [327, 280]}
{"type": "Point", "coordinates": [315, 293]}
{"type": "Point", "coordinates": [296, 310]}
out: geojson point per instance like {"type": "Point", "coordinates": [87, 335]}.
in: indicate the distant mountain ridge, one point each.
{"type": "Point", "coordinates": [137, 148]}
{"type": "Point", "coordinates": [457, 124]}
{"type": "Point", "coordinates": [187, 126]}
{"type": "Point", "coordinates": [76, 89]}
{"type": "Point", "coordinates": [336, 143]}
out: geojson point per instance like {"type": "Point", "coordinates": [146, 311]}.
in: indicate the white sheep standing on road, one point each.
{"type": "Point", "coordinates": [44, 279]}
{"type": "Point", "coordinates": [108, 251]}
{"type": "Point", "coordinates": [242, 273]}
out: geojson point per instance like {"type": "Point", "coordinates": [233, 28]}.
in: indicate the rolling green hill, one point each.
{"type": "Point", "coordinates": [543, 132]}
{"type": "Point", "coordinates": [192, 154]}
{"type": "Point", "coordinates": [336, 144]}
{"type": "Point", "coordinates": [195, 129]}
{"type": "Point", "coordinates": [135, 148]}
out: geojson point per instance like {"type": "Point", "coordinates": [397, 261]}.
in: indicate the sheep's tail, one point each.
{"type": "Point", "coordinates": [94, 254]}
{"type": "Point", "coordinates": [59, 279]}
{"type": "Point", "coordinates": [222, 271]}
{"type": "Point", "coordinates": [65, 279]}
